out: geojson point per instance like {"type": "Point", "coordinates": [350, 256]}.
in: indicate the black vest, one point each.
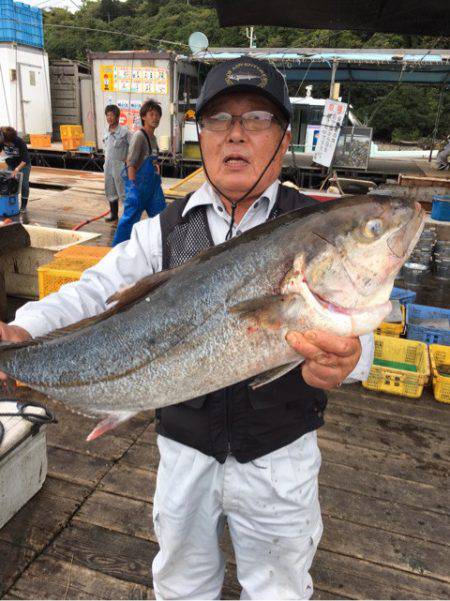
{"type": "Point", "coordinates": [235, 420]}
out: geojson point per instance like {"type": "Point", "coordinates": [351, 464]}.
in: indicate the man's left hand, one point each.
{"type": "Point", "coordinates": [329, 359]}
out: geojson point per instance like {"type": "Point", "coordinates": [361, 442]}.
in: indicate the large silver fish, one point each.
{"type": "Point", "coordinates": [223, 317]}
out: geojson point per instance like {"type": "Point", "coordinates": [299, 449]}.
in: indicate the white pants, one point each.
{"type": "Point", "coordinates": [273, 513]}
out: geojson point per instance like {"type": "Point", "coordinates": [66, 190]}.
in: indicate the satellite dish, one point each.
{"type": "Point", "coordinates": [198, 42]}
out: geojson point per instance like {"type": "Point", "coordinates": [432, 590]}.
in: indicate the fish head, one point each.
{"type": "Point", "coordinates": [355, 251]}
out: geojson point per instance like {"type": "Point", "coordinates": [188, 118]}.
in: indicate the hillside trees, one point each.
{"type": "Point", "coordinates": [100, 25]}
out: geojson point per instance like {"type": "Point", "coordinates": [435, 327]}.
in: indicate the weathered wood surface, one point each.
{"type": "Point", "coordinates": [435, 178]}
{"type": "Point", "coordinates": [384, 498]}
{"type": "Point", "coordinates": [13, 236]}
{"type": "Point", "coordinates": [65, 197]}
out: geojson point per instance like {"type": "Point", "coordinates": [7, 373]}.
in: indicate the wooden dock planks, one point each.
{"type": "Point", "coordinates": [384, 503]}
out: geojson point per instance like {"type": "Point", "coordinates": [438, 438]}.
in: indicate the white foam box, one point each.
{"type": "Point", "coordinates": [20, 266]}
{"type": "Point", "coordinates": [23, 469]}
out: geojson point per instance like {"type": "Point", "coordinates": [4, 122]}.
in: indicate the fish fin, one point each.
{"type": "Point", "coordinates": [109, 423]}
{"type": "Point", "coordinates": [273, 374]}
{"type": "Point", "coordinates": [250, 306]}
{"type": "Point", "coordinates": [131, 294]}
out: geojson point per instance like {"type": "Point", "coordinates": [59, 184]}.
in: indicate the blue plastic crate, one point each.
{"type": "Point", "coordinates": [9, 205]}
{"type": "Point", "coordinates": [6, 12]}
{"type": "Point", "coordinates": [403, 296]}
{"type": "Point", "coordinates": [415, 314]}
{"type": "Point", "coordinates": [440, 209]}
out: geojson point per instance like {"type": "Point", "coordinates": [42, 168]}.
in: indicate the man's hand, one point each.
{"type": "Point", "coordinates": [329, 359]}
{"type": "Point", "coordinates": [12, 334]}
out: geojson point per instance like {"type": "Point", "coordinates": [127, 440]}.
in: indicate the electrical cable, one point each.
{"type": "Point", "coordinates": [115, 32]}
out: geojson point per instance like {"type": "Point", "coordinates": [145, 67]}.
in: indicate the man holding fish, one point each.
{"type": "Point", "coordinates": [238, 449]}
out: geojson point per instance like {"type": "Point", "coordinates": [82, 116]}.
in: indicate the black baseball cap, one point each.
{"type": "Point", "coordinates": [246, 74]}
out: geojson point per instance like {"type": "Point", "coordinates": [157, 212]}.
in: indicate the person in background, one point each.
{"type": "Point", "coordinates": [442, 157]}
{"type": "Point", "coordinates": [17, 160]}
{"type": "Point", "coordinates": [116, 141]}
{"type": "Point", "coordinates": [143, 184]}
{"type": "Point", "coordinates": [144, 143]}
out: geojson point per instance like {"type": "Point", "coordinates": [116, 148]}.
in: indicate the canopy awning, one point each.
{"type": "Point", "coordinates": [419, 17]}
{"type": "Point", "coordinates": [374, 66]}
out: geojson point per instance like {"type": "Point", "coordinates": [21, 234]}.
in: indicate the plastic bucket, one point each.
{"type": "Point", "coordinates": [441, 208]}
{"type": "Point", "coordinates": [9, 205]}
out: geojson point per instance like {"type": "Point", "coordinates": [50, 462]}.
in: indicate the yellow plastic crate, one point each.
{"type": "Point", "coordinates": [393, 329]}
{"type": "Point", "coordinates": [397, 380]}
{"type": "Point", "coordinates": [439, 355]}
{"type": "Point", "coordinates": [83, 252]}
{"type": "Point", "coordinates": [71, 131]}
{"type": "Point", "coordinates": [72, 143]}
{"type": "Point", "coordinates": [40, 140]}
{"type": "Point", "coordinates": [62, 271]}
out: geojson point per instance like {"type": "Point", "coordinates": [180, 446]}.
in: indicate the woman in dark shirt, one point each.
{"type": "Point", "coordinates": [17, 160]}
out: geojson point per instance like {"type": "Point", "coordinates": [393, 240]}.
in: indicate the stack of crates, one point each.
{"type": "Point", "coordinates": [418, 326]}
{"type": "Point", "coordinates": [72, 136]}
{"type": "Point", "coordinates": [399, 367]}
{"type": "Point", "coordinates": [440, 367]}
{"type": "Point", "coordinates": [40, 140]}
{"type": "Point", "coordinates": [404, 297]}
{"type": "Point", "coordinates": [7, 21]}
{"type": "Point", "coordinates": [68, 266]}
{"type": "Point", "coordinates": [21, 23]}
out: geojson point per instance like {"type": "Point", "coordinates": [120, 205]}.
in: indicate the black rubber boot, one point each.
{"type": "Point", "coordinates": [23, 204]}
{"type": "Point", "coordinates": [114, 208]}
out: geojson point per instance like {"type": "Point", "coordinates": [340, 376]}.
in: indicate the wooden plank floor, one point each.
{"type": "Point", "coordinates": [64, 198]}
{"type": "Point", "coordinates": [383, 487]}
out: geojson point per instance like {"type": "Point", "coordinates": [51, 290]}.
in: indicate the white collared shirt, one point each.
{"type": "Point", "coordinates": [218, 218]}
{"type": "Point", "coordinates": [141, 256]}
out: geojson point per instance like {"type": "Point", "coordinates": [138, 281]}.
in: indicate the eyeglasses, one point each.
{"type": "Point", "coordinates": [250, 121]}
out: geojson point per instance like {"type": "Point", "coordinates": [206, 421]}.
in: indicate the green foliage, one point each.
{"type": "Point", "coordinates": [103, 25]}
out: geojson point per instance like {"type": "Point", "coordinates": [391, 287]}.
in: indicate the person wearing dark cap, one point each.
{"type": "Point", "coordinates": [237, 455]}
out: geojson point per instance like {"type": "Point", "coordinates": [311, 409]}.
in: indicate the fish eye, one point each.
{"type": "Point", "coordinates": [373, 228]}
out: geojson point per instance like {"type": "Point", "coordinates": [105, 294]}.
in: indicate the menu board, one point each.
{"type": "Point", "coordinates": [136, 80]}
{"type": "Point", "coordinates": [333, 116]}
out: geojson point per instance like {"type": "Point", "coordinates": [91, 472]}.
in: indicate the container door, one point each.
{"type": "Point", "coordinates": [34, 93]}
{"type": "Point", "coordinates": [87, 109]}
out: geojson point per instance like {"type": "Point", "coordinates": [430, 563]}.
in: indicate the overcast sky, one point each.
{"type": "Point", "coordinates": [69, 4]}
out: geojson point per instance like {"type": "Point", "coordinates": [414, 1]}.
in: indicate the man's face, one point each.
{"type": "Point", "coordinates": [111, 118]}
{"type": "Point", "coordinates": [151, 118]}
{"type": "Point", "coordinates": [236, 158]}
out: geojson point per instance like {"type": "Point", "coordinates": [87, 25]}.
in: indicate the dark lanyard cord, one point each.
{"type": "Point", "coordinates": [235, 203]}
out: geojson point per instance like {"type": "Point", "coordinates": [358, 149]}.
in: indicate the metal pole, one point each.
{"type": "Point", "coordinates": [436, 124]}
{"type": "Point", "coordinates": [333, 77]}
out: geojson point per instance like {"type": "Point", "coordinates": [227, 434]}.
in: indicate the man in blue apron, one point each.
{"type": "Point", "coordinates": [142, 180]}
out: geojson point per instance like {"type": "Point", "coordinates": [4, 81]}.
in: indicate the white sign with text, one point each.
{"type": "Point", "coordinates": [333, 117]}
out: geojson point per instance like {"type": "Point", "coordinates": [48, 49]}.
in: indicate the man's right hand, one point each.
{"type": "Point", "coordinates": [12, 334]}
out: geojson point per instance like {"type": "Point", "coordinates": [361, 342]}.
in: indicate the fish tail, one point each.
{"type": "Point", "coordinates": [109, 423]}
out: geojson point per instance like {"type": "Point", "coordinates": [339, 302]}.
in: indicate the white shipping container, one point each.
{"type": "Point", "coordinates": [25, 89]}
{"type": "Point", "coordinates": [128, 79]}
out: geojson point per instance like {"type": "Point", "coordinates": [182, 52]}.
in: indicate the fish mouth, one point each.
{"type": "Point", "coordinates": [329, 306]}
